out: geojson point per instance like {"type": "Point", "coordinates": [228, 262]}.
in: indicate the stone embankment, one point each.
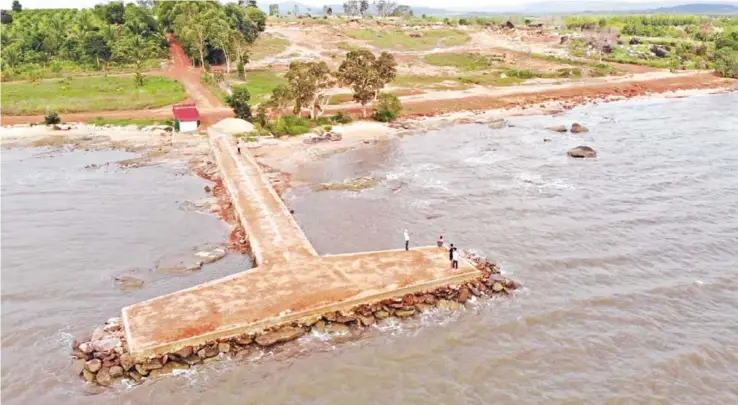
{"type": "Point", "coordinates": [104, 359]}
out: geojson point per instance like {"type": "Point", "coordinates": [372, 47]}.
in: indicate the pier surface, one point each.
{"type": "Point", "coordinates": [291, 281]}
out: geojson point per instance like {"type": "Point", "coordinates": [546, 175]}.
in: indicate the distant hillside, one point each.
{"type": "Point", "coordinates": [697, 9]}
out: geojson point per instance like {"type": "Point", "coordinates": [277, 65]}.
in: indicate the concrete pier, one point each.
{"type": "Point", "coordinates": [291, 281]}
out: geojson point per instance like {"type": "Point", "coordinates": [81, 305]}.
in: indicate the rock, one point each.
{"type": "Point", "coordinates": [107, 344]}
{"type": "Point", "coordinates": [244, 340]}
{"type": "Point", "coordinates": [86, 348]}
{"type": "Point", "coordinates": [126, 361]}
{"type": "Point", "coordinates": [404, 313]}
{"type": "Point", "coordinates": [284, 334]}
{"type": "Point", "coordinates": [184, 352]}
{"type": "Point", "coordinates": [116, 371]}
{"type": "Point", "coordinates": [497, 287]}
{"type": "Point", "coordinates": [168, 368]}
{"type": "Point", "coordinates": [104, 378]}
{"type": "Point", "coordinates": [142, 370]}
{"type": "Point", "coordinates": [497, 124]}
{"type": "Point", "coordinates": [546, 139]}
{"type": "Point", "coordinates": [192, 359]}
{"type": "Point", "coordinates": [659, 51]}
{"type": "Point", "coordinates": [211, 255]}
{"type": "Point", "coordinates": [334, 137]}
{"type": "Point", "coordinates": [224, 347]}
{"type": "Point", "coordinates": [129, 282]}
{"type": "Point", "coordinates": [98, 334]}
{"type": "Point", "coordinates": [577, 128]}
{"type": "Point", "coordinates": [208, 189]}
{"type": "Point", "coordinates": [88, 376]}
{"type": "Point", "coordinates": [345, 318]}
{"type": "Point", "coordinates": [448, 305]}
{"type": "Point", "coordinates": [366, 320]}
{"type": "Point", "coordinates": [559, 128]}
{"type": "Point", "coordinates": [152, 364]}
{"type": "Point", "coordinates": [78, 366]}
{"type": "Point", "coordinates": [330, 316]}
{"type": "Point", "coordinates": [381, 314]}
{"type": "Point", "coordinates": [208, 352]}
{"type": "Point", "coordinates": [582, 152]}
{"type": "Point", "coordinates": [332, 328]}
{"type": "Point", "coordinates": [634, 41]}
{"type": "Point", "coordinates": [135, 376]}
{"type": "Point", "coordinates": [464, 295]}
{"type": "Point", "coordinates": [308, 321]}
{"type": "Point", "coordinates": [93, 365]}
{"type": "Point", "coordinates": [421, 307]}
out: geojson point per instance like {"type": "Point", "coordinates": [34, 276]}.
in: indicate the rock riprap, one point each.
{"type": "Point", "coordinates": [104, 358]}
{"type": "Point", "coordinates": [582, 152]}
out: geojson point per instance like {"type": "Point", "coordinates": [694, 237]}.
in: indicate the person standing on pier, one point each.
{"type": "Point", "coordinates": [407, 239]}
{"type": "Point", "coordinates": [238, 145]}
{"type": "Point", "coordinates": [455, 258]}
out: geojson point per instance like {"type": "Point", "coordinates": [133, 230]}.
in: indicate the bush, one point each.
{"type": "Point", "coordinates": [290, 125]}
{"type": "Point", "coordinates": [342, 118]}
{"type": "Point", "coordinates": [239, 101]}
{"type": "Point", "coordinates": [726, 62]}
{"type": "Point", "coordinates": [241, 71]}
{"type": "Point", "coordinates": [52, 118]}
{"type": "Point", "coordinates": [388, 107]}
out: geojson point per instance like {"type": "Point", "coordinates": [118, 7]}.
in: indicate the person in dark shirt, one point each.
{"type": "Point", "coordinates": [451, 249]}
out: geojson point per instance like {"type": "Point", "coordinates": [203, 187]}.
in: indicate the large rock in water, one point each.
{"type": "Point", "coordinates": [582, 152]}
{"type": "Point", "coordinates": [233, 126]}
{"type": "Point", "coordinates": [559, 128]}
{"type": "Point", "coordinates": [577, 128]}
{"type": "Point", "coordinates": [283, 335]}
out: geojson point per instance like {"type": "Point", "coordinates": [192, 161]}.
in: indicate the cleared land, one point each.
{"type": "Point", "coordinates": [69, 95]}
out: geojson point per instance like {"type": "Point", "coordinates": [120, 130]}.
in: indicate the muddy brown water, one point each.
{"type": "Point", "coordinates": [628, 262]}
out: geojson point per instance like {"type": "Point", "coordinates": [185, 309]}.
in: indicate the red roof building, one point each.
{"type": "Point", "coordinates": [187, 117]}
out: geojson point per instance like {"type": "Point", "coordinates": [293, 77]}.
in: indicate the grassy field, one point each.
{"type": "Point", "coordinates": [400, 40]}
{"type": "Point", "coordinates": [261, 83]}
{"type": "Point", "coordinates": [89, 94]}
{"type": "Point", "coordinates": [266, 46]}
{"type": "Point", "coordinates": [463, 61]}
{"type": "Point", "coordinates": [139, 122]}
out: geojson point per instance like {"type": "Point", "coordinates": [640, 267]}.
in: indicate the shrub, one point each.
{"type": "Point", "coordinates": [52, 118]}
{"type": "Point", "coordinates": [239, 101]}
{"type": "Point", "coordinates": [342, 118]}
{"type": "Point", "coordinates": [388, 107]}
{"type": "Point", "coordinates": [290, 125]}
{"type": "Point", "coordinates": [726, 62]}
{"type": "Point", "coordinates": [241, 71]}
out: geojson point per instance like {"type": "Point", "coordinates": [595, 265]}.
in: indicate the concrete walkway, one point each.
{"type": "Point", "coordinates": [291, 281]}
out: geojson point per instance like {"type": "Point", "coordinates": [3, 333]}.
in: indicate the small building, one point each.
{"type": "Point", "coordinates": [186, 117]}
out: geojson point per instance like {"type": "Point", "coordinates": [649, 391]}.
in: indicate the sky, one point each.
{"type": "Point", "coordinates": [444, 4]}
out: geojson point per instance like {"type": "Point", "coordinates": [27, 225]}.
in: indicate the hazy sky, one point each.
{"type": "Point", "coordinates": [456, 4]}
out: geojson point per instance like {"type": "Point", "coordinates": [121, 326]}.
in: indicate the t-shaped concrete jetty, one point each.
{"type": "Point", "coordinates": [292, 282]}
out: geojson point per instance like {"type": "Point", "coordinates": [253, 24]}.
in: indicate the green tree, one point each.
{"type": "Point", "coordinates": [363, 7]}
{"type": "Point", "coordinates": [308, 82]}
{"type": "Point", "coordinates": [403, 11]}
{"type": "Point", "coordinates": [239, 101]}
{"type": "Point", "coordinates": [726, 62]}
{"type": "Point", "coordinates": [196, 22]}
{"type": "Point", "coordinates": [258, 17]}
{"type": "Point", "coordinates": [367, 74]}
{"type": "Point", "coordinates": [16, 6]}
{"type": "Point", "coordinates": [96, 46]}
{"type": "Point", "coordinates": [274, 9]}
{"type": "Point", "coordinates": [279, 100]}
{"type": "Point", "coordinates": [388, 107]}
{"type": "Point", "coordinates": [133, 49]}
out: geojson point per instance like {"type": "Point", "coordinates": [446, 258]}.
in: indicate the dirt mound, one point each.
{"type": "Point", "coordinates": [232, 126]}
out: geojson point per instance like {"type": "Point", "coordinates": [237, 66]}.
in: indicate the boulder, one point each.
{"type": "Point", "coordinates": [98, 334]}
{"type": "Point", "coordinates": [381, 314]}
{"type": "Point", "coordinates": [126, 361]}
{"type": "Point", "coordinates": [211, 256]}
{"type": "Point", "coordinates": [86, 348]}
{"type": "Point", "coordinates": [88, 375]}
{"type": "Point", "coordinates": [464, 295]}
{"type": "Point", "coordinates": [497, 287]}
{"type": "Point", "coordinates": [244, 340]}
{"type": "Point", "coordinates": [142, 370]}
{"type": "Point", "coordinates": [208, 352]}
{"type": "Point", "coordinates": [116, 371]}
{"type": "Point", "coordinates": [152, 364]}
{"type": "Point", "coordinates": [284, 334]}
{"type": "Point", "coordinates": [104, 378]}
{"type": "Point", "coordinates": [168, 368]}
{"type": "Point", "coordinates": [192, 359]}
{"type": "Point", "coordinates": [404, 313]}
{"type": "Point", "coordinates": [333, 137]}
{"type": "Point", "coordinates": [366, 320]}
{"type": "Point", "coordinates": [546, 139]}
{"type": "Point", "coordinates": [559, 128]}
{"type": "Point", "coordinates": [332, 328]}
{"type": "Point", "coordinates": [184, 352]}
{"type": "Point", "coordinates": [78, 366]}
{"type": "Point", "coordinates": [93, 365]}
{"type": "Point", "coordinates": [107, 344]}
{"type": "Point", "coordinates": [577, 128]}
{"type": "Point", "coordinates": [129, 282]}
{"type": "Point", "coordinates": [658, 51]}
{"type": "Point", "coordinates": [582, 152]}
{"type": "Point", "coordinates": [224, 347]}
{"type": "Point", "coordinates": [135, 376]}
{"type": "Point", "coordinates": [634, 41]}
{"type": "Point", "coordinates": [421, 307]}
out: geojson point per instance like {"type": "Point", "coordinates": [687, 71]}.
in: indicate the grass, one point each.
{"type": "Point", "coordinates": [348, 47]}
{"type": "Point", "coordinates": [89, 94]}
{"type": "Point", "coordinates": [139, 122]}
{"type": "Point", "coordinates": [261, 83]}
{"type": "Point", "coordinates": [60, 69]}
{"type": "Point", "coordinates": [401, 40]}
{"type": "Point", "coordinates": [425, 82]}
{"type": "Point", "coordinates": [463, 61]}
{"type": "Point", "coordinates": [266, 46]}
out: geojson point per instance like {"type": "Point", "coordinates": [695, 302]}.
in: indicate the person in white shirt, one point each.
{"type": "Point", "coordinates": [407, 240]}
{"type": "Point", "coordinates": [455, 259]}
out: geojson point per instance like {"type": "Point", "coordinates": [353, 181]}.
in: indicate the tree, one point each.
{"type": "Point", "coordinates": [388, 108]}
{"type": "Point", "coordinates": [133, 49]}
{"type": "Point", "coordinates": [726, 62]}
{"type": "Point", "coordinates": [97, 47]}
{"type": "Point", "coordinates": [279, 100]}
{"type": "Point", "coordinates": [363, 6]}
{"type": "Point", "coordinates": [297, 10]}
{"type": "Point", "coordinates": [274, 9]}
{"type": "Point", "coordinates": [252, 3]}
{"type": "Point", "coordinates": [239, 101]}
{"type": "Point", "coordinates": [351, 7]}
{"type": "Point", "coordinates": [367, 74]}
{"type": "Point", "coordinates": [330, 11]}
{"type": "Point", "coordinates": [196, 22]}
{"type": "Point", "coordinates": [7, 18]}
{"type": "Point", "coordinates": [258, 17]}
{"type": "Point", "coordinates": [308, 83]}
{"type": "Point", "coordinates": [384, 7]}
{"type": "Point", "coordinates": [404, 11]}
{"type": "Point", "coordinates": [16, 6]}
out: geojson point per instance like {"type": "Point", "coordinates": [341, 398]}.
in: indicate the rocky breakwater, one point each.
{"type": "Point", "coordinates": [104, 359]}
